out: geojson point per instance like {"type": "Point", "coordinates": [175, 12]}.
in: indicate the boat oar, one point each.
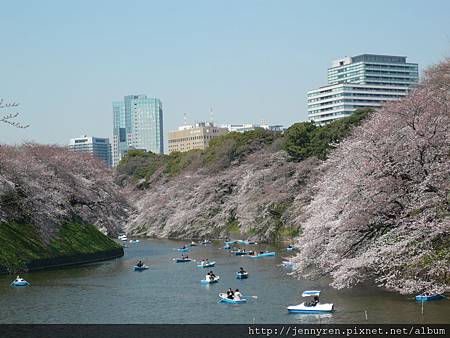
{"type": "Point", "coordinates": [254, 297]}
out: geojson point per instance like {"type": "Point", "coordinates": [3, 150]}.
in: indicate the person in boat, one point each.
{"type": "Point", "coordinates": [183, 247]}
{"type": "Point", "coordinates": [139, 264]}
{"type": "Point", "coordinates": [212, 274]}
{"type": "Point", "coordinates": [315, 300]}
{"type": "Point", "coordinates": [202, 262]}
{"type": "Point", "coordinates": [241, 270]}
{"type": "Point", "coordinates": [237, 295]}
{"type": "Point", "coordinates": [230, 294]}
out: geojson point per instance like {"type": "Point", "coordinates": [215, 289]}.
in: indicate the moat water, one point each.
{"type": "Point", "coordinates": [111, 292]}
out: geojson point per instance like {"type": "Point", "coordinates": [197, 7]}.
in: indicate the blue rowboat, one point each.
{"type": "Point", "coordinates": [183, 250]}
{"type": "Point", "coordinates": [182, 260]}
{"type": "Point", "coordinates": [20, 282]}
{"type": "Point", "coordinates": [240, 275]}
{"type": "Point", "coordinates": [231, 242]}
{"type": "Point", "coordinates": [426, 298]}
{"type": "Point", "coordinates": [210, 281]}
{"type": "Point", "coordinates": [264, 254]}
{"type": "Point", "coordinates": [206, 265]}
{"type": "Point", "coordinates": [225, 299]}
{"type": "Point", "coordinates": [140, 268]}
{"type": "Point", "coordinates": [242, 253]}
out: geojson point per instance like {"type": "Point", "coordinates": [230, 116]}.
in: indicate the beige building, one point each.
{"type": "Point", "coordinates": [194, 136]}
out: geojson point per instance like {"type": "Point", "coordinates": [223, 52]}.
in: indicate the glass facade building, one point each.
{"type": "Point", "coordinates": [362, 81]}
{"type": "Point", "coordinates": [137, 124]}
{"type": "Point", "coordinates": [97, 146]}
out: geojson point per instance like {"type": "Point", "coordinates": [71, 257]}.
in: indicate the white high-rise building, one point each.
{"type": "Point", "coordinates": [97, 146]}
{"type": "Point", "coordinates": [363, 81]}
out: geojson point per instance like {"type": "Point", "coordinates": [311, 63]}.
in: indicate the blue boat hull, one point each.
{"type": "Point", "coordinates": [241, 276]}
{"type": "Point", "coordinates": [268, 254]}
{"type": "Point", "coordinates": [183, 250]}
{"type": "Point", "coordinates": [20, 284]}
{"type": "Point", "coordinates": [309, 311]}
{"type": "Point", "coordinates": [421, 298]}
{"type": "Point", "coordinates": [209, 265]}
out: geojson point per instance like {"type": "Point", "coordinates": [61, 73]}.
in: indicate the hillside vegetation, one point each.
{"type": "Point", "coordinates": [52, 201]}
{"type": "Point", "coordinates": [243, 184]}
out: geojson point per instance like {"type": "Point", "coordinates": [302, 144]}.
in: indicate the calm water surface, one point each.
{"type": "Point", "coordinates": [111, 292]}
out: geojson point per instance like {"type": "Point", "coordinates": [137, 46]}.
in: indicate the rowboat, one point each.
{"type": "Point", "coordinates": [313, 306]}
{"type": "Point", "coordinates": [264, 254]}
{"type": "Point", "coordinates": [140, 268]}
{"type": "Point", "coordinates": [241, 275]}
{"type": "Point", "coordinates": [425, 297]}
{"type": "Point", "coordinates": [206, 264]}
{"type": "Point", "coordinates": [224, 299]}
{"type": "Point", "coordinates": [20, 282]}
{"type": "Point", "coordinates": [209, 280]}
{"type": "Point", "coordinates": [182, 260]}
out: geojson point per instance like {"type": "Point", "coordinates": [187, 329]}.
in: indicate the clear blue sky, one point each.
{"type": "Point", "coordinates": [65, 62]}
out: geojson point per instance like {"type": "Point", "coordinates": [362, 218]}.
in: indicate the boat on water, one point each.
{"type": "Point", "coordinates": [134, 241]}
{"type": "Point", "coordinates": [140, 268]}
{"type": "Point", "coordinates": [426, 296]}
{"type": "Point", "coordinates": [246, 242]}
{"type": "Point", "coordinates": [182, 260]}
{"type": "Point", "coordinates": [224, 299]}
{"type": "Point", "coordinates": [290, 248]}
{"type": "Point", "coordinates": [123, 238]}
{"type": "Point", "coordinates": [205, 264]}
{"type": "Point", "coordinates": [241, 252]}
{"type": "Point", "coordinates": [263, 254]}
{"type": "Point", "coordinates": [231, 242]}
{"type": "Point", "coordinates": [241, 275]}
{"type": "Point", "coordinates": [192, 244]}
{"type": "Point", "coordinates": [206, 241]}
{"type": "Point", "coordinates": [209, 280]}
{"type": "Point", "coordinates": [227, 247]}
{"type": "Point", "coordinates": [183, 249]}
{"type": "Point", "coordinates": [20, 282]}
{"type": "Point", "coordinates": [313, 306]}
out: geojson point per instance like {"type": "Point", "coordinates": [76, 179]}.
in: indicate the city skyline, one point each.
{"type": "Point", "coordinates": [65, 63]}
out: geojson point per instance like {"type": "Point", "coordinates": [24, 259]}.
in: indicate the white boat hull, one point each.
{"type": "Point", "coordinates": [301, 308]}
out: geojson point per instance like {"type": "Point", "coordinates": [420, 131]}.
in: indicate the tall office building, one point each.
{"type": "Point", "coordinates": [362, 81]}
{"type": "Point", "coordinates": [97, 146]}
{"type": "Point", "coordinates": [137, 124]}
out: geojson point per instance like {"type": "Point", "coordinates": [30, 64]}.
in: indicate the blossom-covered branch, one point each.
{"type": "Point", "coordinates": [9, 118]}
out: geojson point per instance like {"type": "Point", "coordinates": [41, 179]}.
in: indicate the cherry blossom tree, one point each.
{"type": "Point", "coordinates": [381, 210]}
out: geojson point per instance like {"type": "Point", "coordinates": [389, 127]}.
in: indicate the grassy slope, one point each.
{"type": "Point", "coordinates": [19, 243]}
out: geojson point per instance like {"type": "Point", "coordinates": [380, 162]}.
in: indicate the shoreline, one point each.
{"type": "Point", "coordinates": [66, 261]}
